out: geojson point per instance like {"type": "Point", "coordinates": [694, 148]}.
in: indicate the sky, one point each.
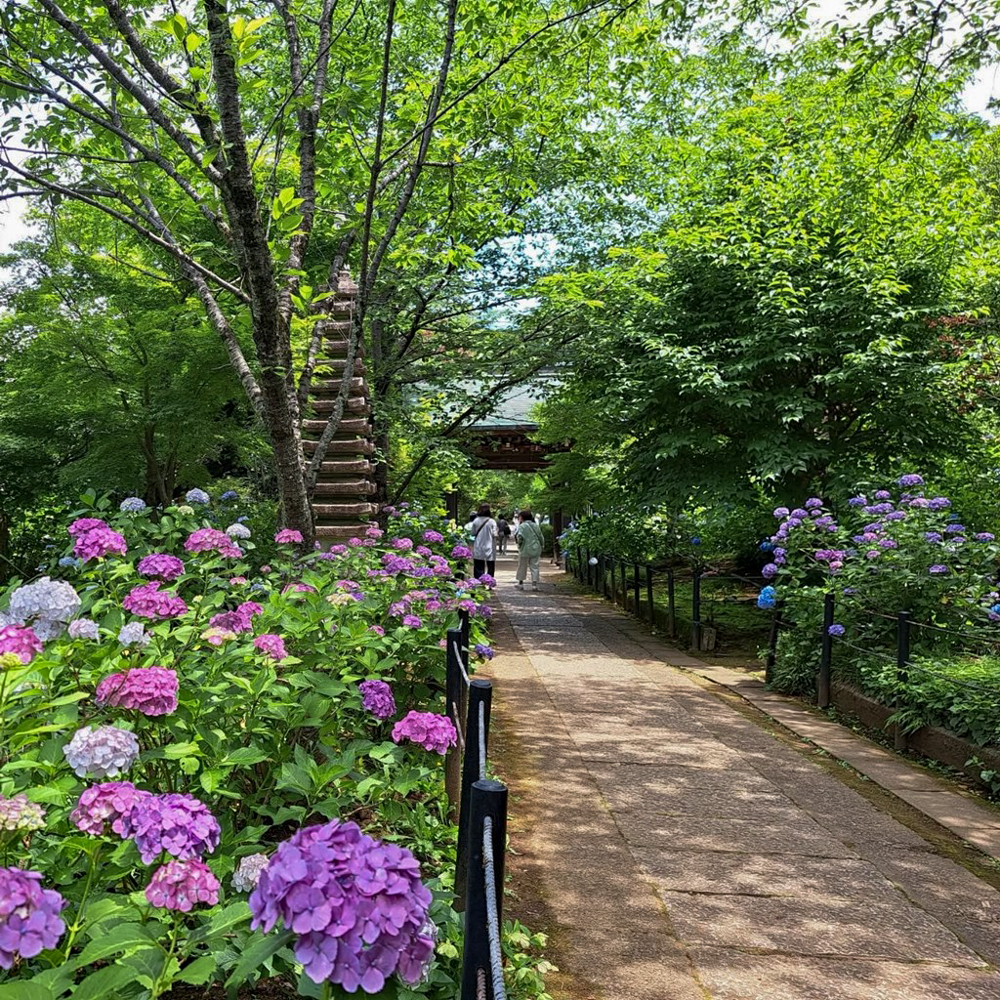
{"type": "Point", "coordinates": [977, 97]}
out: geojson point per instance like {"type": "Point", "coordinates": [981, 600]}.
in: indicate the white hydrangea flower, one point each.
{"type": "Point", "coordinates": [83, 628]}
{"type": "Point", "coordinates": [238, 530]}
{"type": "Point", "coordinates": [133, 632]}
{"type": "Point", "coordinates": [132, 505]}
{"type": "Point", "coordinates": [47, 605]}
{"type": "Point", "coordinates": [102, 752]}
{"type": "Point", "coordinates": [247, 875]}
{"type": "Point", "coordinates": [196, 496]}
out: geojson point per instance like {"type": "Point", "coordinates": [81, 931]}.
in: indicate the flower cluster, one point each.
{"type": "Point", "coordinates": [150, 690]}
{"type": "Point", "coordinates": [47, 605]}
{"type": "Point", "coordinates": [84, 628]}
{"type": "Point", "coordinates": [376, 697]}
{"type": "Point", "coordinates": [132, 505]}
{"type": "Point", "coordinates": [148, 601]}
{"type": "Point", "coordinates": [20, 814]}
{"type": "Point", "coordinates": [95, 540]}
{"type": "Point", "coordinates": [487, 652]}
{"type": "Point", "coordinates": [288, 536]}
{"type": "Point", "coordinates": [237, 530]}
{"type": "Point", "coordinates": [133, 633]}
{"type": "Point", "coordinates": [180, 885]}
{"type": "Point", "coordinates": [197, 496]}
{"type": "Point", "coordinates": [175, 822]}
{"type": "Point", "coordinates": [29, 916]}
{"type": "Point", "coordinates": [161, 565]}
{"type": "Point", "coordinates": [102, 752]}
{"type": "Point", "coordinates": [248, 872]}
{"type": "Point", "coordinates": [240, 620]}
{"type": "Point", "coordinates": [357, 906]}
{"type": "Point", "coordinates": [20, 641]}
{"type": "Point", "coordinates": [212, 540]}
{"type": "Point", "coordinates": [104, 804]}
{"type": "Point", "coordinates": [271, 645]}
{"type": "Point", "coordinates": [431, 731]}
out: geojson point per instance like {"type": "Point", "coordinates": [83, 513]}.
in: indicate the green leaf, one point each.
{"type": "Point", "coordinates": [121, 939]}
{"type": "Point", "coordinates": [107, 982]}
{"type": "Point", "coordinates": [25, 991]}
{"type": "Point", "coordinates": [198, 972]}
{"type": "Point", "coordinates": [262, 948]}
{"type": "Point", "coordinates": [245, 755]}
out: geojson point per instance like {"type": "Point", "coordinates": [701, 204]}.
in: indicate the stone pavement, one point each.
{"type": "Point", "coordinates": [685, 853]}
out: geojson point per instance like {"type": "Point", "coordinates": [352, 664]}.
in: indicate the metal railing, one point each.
{"type": "Point", "coordinates": [481, 805]}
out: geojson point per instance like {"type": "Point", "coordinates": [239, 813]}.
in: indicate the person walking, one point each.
{"type": "Point", "coordinates": [484, 542]}
{"type": "Point", "coordinates": [529, 539]}
{"type": "Point", "coordinates": [504, 533]}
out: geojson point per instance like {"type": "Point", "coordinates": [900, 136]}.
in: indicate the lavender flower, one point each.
{"type": "Point", "coordinates": [99, 804]}
{"type": "Point", "coordinates": [197, 496]}
{"type": "Point", "coordinates": [271, 645]}
{"type": "Point", "coordinates": [953, 529]}
{"type": "Point", "coordinates": [859, 501]}
{"type": "Point", "coordinates": [162, 565]}
{"type": "Point", "coordinates": [150, 690]}
{"type": "Point", "coordinates": [181, 885]}
{"type": "Point", "coordinates": [412, 621]}
{"type": "Point", "coordinates": [933, 536]}
{"type": "Point", "coordinates": [248, 872]}
{"type": "Point", "coordinates": [486, 652]}
{"type": "Point", "coordinates": [937, 569]}
{"type": "Point", "coordinates": [357, 905]}
{"type": "Point", "coordinates": [883, 495]}
{"type": "Point", "coordinates": [939, 503]}
{"type": "Point", "coordinates": [102, 752]}
{"type": "Point", "coordinates": [433, 536]}
{"type": "Point", "coordinates": [176, 823]}
{"type": "Point", "coordinates": [911, 479]}
{"type": "Point", "coordinates": [133, 632]}
{"type": "Point", "coordinates": [769, 571]}
{"type": "Point", "coordinates": [47, 605]}
{"type": "Point", "coordinates": [20, 814]}
{"type": "Point", "coordinates": [984, 536]}
{"type": "Point", "coordinates": [132, 505]}
{"type": "Point", "coordinates": [29, 916]}
{"type": "Point", "coordinates": [432, 732]}
{"type": "Point", "coordinates": [403, 544]}
{"type": "Point", "coordinates": [461, 552]}
{"type": "Point", "coordinates": [229, 495]}
{"type": "Point", "coordinates": [20, 641]}
{"type": "Point", "coordinates": [237, 530]}
{"type": "Point", "coordinates": [83, 628]}
{"type": "Point", "coordinates": [376, 697]}
{"type": "Point", "coordinates": [813, 502]}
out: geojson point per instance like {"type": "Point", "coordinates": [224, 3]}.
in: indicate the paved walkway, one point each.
{"type": "Point", "coordinates": [685, 853]}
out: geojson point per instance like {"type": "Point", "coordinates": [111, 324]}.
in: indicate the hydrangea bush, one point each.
{"type": "Point", "coordinates": [182, 726]}
{"type": "Point", "coordinates": [898, 548]}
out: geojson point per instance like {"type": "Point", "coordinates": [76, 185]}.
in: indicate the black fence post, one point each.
{"type": "Point", "coordinates": [671, 605]}
{"type": "Point", "coordinates": [463, 624]}
{"type": "Point", "coordinates": [488, 801]}
{"type": "Point", "coordinates": [696, 610]}
{"type": "Point", "coordinates": [637, 610]}
{"type": "Point", "coordinates": [614, 586]}
{"type": "Point", "coordinates": [649, 594]}
{"type": "Point", "coordinates": [772, 642]}
{"type": "Point", "coordinates": [826, 655]}
{"type": "Point", "coordinates": [902, 674]}
{"type": "Point", "coordinates": [454, 692]}
{"type": "Point", "coordinates": [480, 693]}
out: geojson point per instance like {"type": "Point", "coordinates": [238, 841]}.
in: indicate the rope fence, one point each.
{"type": "Point", "coordinates": [480, 806]}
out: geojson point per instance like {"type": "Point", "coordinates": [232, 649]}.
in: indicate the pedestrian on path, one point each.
{"type": "Point", "coordinates": [484, 532]}
{"type": "Point", "coordinates": [504, 534]}
{"type": "Point", "coordinates": [528, 537]}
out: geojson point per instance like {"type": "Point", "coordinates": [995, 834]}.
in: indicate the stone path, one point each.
{"type": "Point", "coordinates": [685, 853]}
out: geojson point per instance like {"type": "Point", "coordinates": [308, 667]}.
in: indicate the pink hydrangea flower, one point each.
{"type": "Point", "coordinates": [148, 601]}
{"type": "Point", "coordinates": [271, 645]}
{"type": "Point", "coordinates": [21, 641]}
{"type": "Point", "coordinates": [212, 540]}
{"type": "Point", "coordinates": [432, 732]}
{"type": "Point", "coordinates": [99, 543]}
{"type": "Point", "coordinates": [162, 565]}
{"type": "Point", "coordinates": [150, 690]}
{"type": "Point", "coordinates": [181, 885]}
{"type": "Point", "coordinates": [84, 524]}
{"type": "Point", "coordinates": [377, 629]}
{"type": "Point", "coordinates": [374, 532]}
{"type": "Point", "coordinates": [403, 544]}
{"type": "Point", "coordinates": [108, 801]}
{"type": "Point", "coordinates": [338, 550]}
{"type": "Point", "coordinates": [288, 536]}
{"type": "Point", "coordinates": [298, 588]}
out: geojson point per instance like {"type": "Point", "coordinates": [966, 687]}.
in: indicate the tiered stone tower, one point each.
{"type": "Point", "coordinates": [341, 503]}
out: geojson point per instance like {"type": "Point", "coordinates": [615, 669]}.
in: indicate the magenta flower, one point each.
{"type": "Point", "coordinates": [98, 543]}
{"type": "Point", "coordinates": [176, 823]}
{"type": "Point", "coordinates": [150, 690]}
{"type": "Point", "coordinates": [374, 532]}
{"type": "Point", "coordinates": [21, 641]}
{"type": "Point", "coordinates": [162, 565]}
{"type": "Point", "coordinates": [271, 645]}
{"type": "Point", "coordinates": [181, 885]}
{"type": "Point", "coordinates": [84, 524]}
{"type": "Point", "coordinates": [461, 552]}
{"type": "Point", "coordinates": [357, 905]}
{"type": "Point", "coordinates": [148, 601]}
{"type": "Point", "coordinates": [432, 732]}
{"type": "Point", "coordinates": [412, 621]}
{"type": "Point", "coordinates": [212, 540]}
{"type": "Point", "coordinates": [240, 620]}
{"type": "Point", "coordinates": [376, 697]}
{"type": "Point", "coordinates": [338, 550]}
{"type": "Point", "coordinates": [29, 916]}
{"type": "Point", "coordinates": [106, 802]}
{"type": "Point", "coordinates": [288, 536]}
{"type": "Point", "coordinates": [377, 629]}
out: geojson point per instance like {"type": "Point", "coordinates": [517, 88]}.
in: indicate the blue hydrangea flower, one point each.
{"type": "Point", "coordinates": [767, 598]}
{"type": "Point", "coordinates": [229, 495]}
{"type": "Point", "coordinates": [70, 561]}
{"type": "Point", "coordinates": [196, 496]}
{"type": "Point", "coordinates": [132, 505]}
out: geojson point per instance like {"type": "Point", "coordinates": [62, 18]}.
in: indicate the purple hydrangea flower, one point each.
{"type": "Point", "coordinates": [248, 872]}
{"type": "Point", "coordinates": [176, 823]}
{"type": "Point", "coordinates": [288, 536]}
{"type": "Point", "coordinates": [883, 495]}
{"type": "Point", "coordinates": [412, 621]}
{"type": "Point", "coordinates": [98, 543]}
{"type": "Point", "coordinates": [781, 512]}
{"type": "Point", "coordinates": [102, 752]}
{"type": "Point", "coordinates": [813, 502]}
{"type": "Point", "coordinates": [20, 641]}
{"type": "Point", "coordinates": [911, 479]}
{"type": "Point", "coordinates": [162, 565]}
{"type": "Point", "coordinates": [148, 601]}
{"type": "Point", "coordinates": [150, 690]}
{"type": "Point", "coordinates": [953, 529]}
{"type": "Point", "coordinates": [896, 515]}
{"type": "Point", "coordinates": [859, 501]}
{"type": "Point", "coordinates": [937, 569]}
{"type": "Point", "coordinates": [196, 496]}
{"type": "Point", "coordinates": [769, 571]}
{"type": "Point", "coordinates": [377, 629]}
{"type": "Point", "coordinates": [836, 630]}
{"type": "Point", "coordinates": [888, 543]}
{"type": "Point", "coordinates": [461, 552]}
{"type": "Point", "coordinates": [433, 536]}
{"type": "Point", "coordinates": [181, 885]}
{"type": "Point", "coordinates": [939, 503]}
{"type": "Point", "coordinates": [20, 814]}
{"type": "Point", "coordinates": [83, 628]}
{"type": "Point", "coordinates": [99, 804]}
{"type": "Point", "coordinates": [481, 649]}
{"type": "Point", "coordinates": [933, 536]}
{"type": "Point", "coordinates": [376, 697]}
{"type": "Point", "coordinates": [84, 524]}
{"type": "Point", "coordinates": [29, 916]}
{"type": "Point", "coordinates": [984, 536]}
{"type": "Point", "coordinates": [357, 905]}
{"type": "Point", "coordinates": [431, 731]}
{"type": "Point", "coordinates": [271, 645]}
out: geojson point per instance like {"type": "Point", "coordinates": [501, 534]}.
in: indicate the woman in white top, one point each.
{"type": "Point", "coordinates": [484, 542]}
